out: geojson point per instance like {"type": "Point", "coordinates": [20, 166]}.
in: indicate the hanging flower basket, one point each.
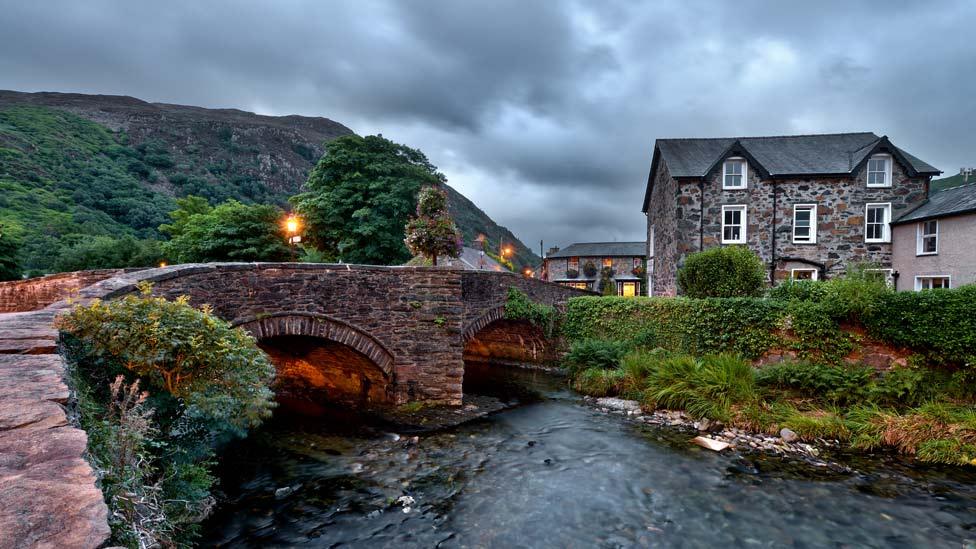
{"type": "Point", "coordinates": [589, 269]}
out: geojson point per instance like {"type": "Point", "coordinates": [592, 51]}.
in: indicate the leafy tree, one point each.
{"type": "Point", "coordinates": [726, 271]}
{"type": "Point", "coordinates": [9, 247]}
{"type": "Point", "coordinates": [433, 232]}
{"type": "Point", "coordinates": [230, 231]}
{"type": "Point", "coordinates": [359, 196]}
{"type": "Point", "coordinates": [105, 252]}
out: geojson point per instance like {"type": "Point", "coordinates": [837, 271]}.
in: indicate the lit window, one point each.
{"type": "Point", "coordinates": [733, 224]}
{"type": "Point", "coordinates": [803, 274]}
{"type": "Point", "coordinates": [932, 282]}
{"type": "Point", "coordinates": [628, 289]}
{"type": "Point", "coordinates": [876, 220]}
{"type": "Point", "coordinates": [638, 263]}
{"type": "Point", "coordinates": [573, 264]}
{"type": "Point", "coordinates": [805, 223]}
{"type": "Point", "coordinates": [879, 171]}
{"type": "Point", "coordinates": [607, 262]}
{"type": "Point", "coordinates": [734, 173]}
{"type": "Point", "coordinates": [927, 241]}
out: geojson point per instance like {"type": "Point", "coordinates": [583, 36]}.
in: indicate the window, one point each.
{"type": "Point", "coordinates": [927, 241]}
{"type": "Point", "coordinates": [733, 224]}
{"type": "Point", "coordinates": [638, 263]}
{"type": "Point", "coordinates": [734, 173]}
{"type": "Point", "coordinates": [627, 289]}
{"type": "Point", "coordinates": [932, 282]}
{"type": "Point", "coordinates": [876, 220]}
{"type": "Point", "coordinates": [805, 224]}
{"type": "Point", "coordinates": [573, 264]}
{"type": "Point", "coordinates": [607, 262]}
{"type": "Point", "coordinates": [888, 275]}
{"type": "Point", "coordinates": [650, 243]}
{"type": "Point", "coordinates": [577, 285]}
{"type": "Point", "coordinates": [803, 274]}
{"type": "Point", "coordinates": [879, 171]}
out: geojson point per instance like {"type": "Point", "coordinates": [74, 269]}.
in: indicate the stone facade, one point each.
{"type": "Point", "coordinates": [686, 217]}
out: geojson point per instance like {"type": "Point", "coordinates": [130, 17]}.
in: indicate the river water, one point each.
{"type": "Point", "coordinates": [554, 473]}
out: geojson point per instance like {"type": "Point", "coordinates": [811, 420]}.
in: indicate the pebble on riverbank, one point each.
{"type": "Point", "coordinates": [736, 439]}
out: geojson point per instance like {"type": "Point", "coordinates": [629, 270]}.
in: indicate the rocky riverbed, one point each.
{"type": "Point", "coordinates": [716, 436]}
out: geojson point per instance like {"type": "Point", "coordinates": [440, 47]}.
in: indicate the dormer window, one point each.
{"type": "Point", "coordinates": [879, 171]}
{"type": "Point", "coordinates": [734, 173]}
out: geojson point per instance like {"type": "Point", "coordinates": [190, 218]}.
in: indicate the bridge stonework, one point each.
{"type": "Point", "coordinates": [411, 322]}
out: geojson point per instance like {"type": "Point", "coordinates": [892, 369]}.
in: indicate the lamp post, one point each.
{"type": "Point", "coordinates": [293, 224]}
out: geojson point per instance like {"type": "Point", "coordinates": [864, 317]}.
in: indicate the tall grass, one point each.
{"type": "Point", "coordinates": [703, 387]}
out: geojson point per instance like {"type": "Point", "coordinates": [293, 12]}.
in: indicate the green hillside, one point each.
{"type": "Point", "coordinates": [66, 177]}
{"type": "Point", "coordinates": [951, 181]}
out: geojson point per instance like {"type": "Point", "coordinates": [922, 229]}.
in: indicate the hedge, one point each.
{"type": "Point", "coordinates": [938, 323]}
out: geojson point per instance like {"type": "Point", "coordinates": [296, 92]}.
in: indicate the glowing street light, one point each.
{"type": "Point", "coordinates": [293, 225]}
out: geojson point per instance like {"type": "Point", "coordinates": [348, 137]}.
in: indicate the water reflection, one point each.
{"type": "Point", "coordinates": [552, 473]}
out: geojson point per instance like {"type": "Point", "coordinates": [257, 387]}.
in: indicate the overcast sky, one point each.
{"type": "Point", "coordinates": [542, 112]}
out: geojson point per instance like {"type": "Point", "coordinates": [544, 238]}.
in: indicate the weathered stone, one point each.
{"type": "Point", "coordinates": [710, 443]}
{"type": "Point", "coordinates": [787, 435]}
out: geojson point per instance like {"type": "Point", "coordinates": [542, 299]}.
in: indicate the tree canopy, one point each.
{"type": "Point", "coordinates": [230, 231]}
{"type": "Point", "coordinates": [359, 197]}
{"type": "Point", "coordinates": [433, 232]}
{"type": "Point", "coordinates": [9, 246]}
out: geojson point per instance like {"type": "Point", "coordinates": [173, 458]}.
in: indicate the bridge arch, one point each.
{"type": "Point", "coordinates": [323, 327]}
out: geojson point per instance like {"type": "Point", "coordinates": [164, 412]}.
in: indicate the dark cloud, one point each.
{"type": "Point", "coordinates": [544, 113]}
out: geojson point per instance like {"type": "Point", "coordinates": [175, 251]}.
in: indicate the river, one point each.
{"type": "Point", "coordinates": [554, 473]}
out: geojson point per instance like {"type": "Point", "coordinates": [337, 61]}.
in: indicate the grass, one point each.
{"type": "Point", "coordinates": [909, 410]}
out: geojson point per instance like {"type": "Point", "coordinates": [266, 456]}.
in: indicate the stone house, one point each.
{"type": "Point", "coordinates": [934, 243]}
{"type": "Point", "coordinates": [809, 205]}
{"type": "Point", "coordinates": [581, 266]}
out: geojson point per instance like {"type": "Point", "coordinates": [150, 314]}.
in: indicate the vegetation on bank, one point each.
{"type": "Point", "coordinates": [160, 388]}
{"type": "Point", "coordinates": [696, 355]}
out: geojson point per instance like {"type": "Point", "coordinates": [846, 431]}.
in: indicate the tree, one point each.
{"type": "Point", "coordinates": [231, 231]}
{"type": "Point", "coordinates": [726, 271]}
{"type": "Point", "coordinates": [359, 196]}
{"type": "Point", "coordinates": [433, 232]}
{"type": "Point", "coordinates": [9, 248]}
{"type": "Point", "coordinates": [105, 252]}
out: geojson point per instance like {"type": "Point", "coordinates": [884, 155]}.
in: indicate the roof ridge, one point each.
{"type": "Point", "coordinates": [609, 242]}
{"type": "Point", "coordinates": [766, 136]}
{"type": "Point", "coordinates": [956, 187]}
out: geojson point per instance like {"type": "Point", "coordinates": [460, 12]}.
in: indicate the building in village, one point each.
{"type": "Point", "coordinates": [934, 245]}
{"type": "Point", "coordinates": [590, 265]}
{"type": "Point", "coordinates": [808, 205]}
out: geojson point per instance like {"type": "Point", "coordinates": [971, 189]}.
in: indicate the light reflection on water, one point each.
{"type": "Point", "coordinates": [553, 473]}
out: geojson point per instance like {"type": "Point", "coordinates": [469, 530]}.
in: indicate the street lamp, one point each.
{"type": "Point", "coordinates": [293, 225]}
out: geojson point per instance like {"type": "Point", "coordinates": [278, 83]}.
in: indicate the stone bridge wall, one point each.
{"type": "Point", "coordinates": [36, 293]}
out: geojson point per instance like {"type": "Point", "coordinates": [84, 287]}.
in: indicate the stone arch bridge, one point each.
{"type": "Point", "coordinates": [374, 334]}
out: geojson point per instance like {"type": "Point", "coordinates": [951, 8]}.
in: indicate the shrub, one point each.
{"type": "Point", "coordinates": [799, 290]}
{"type": "Point", "coordinates": [518, 306]}
{"type": "Point", "coordinates": [705, 387]}
{"type": "Point", "coordinates": [598, 382]}
{"type": "Point", "coordinates": [726, 271]}
{"type": "Point", "coordinates": [595, 353]}
{"type": "Point", "coordinates": [938, 323]}
{"type": "Point", "coordinates": [855, 294]}
{"type": "Point", "coordinates": [589, 269]}
{"type": "Point", "coordinates": [833, 384]}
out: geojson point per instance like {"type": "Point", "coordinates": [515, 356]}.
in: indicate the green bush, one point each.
{"type": "Point", "coordinates": [518, 306]}
{"type": "Point", "coordinates": [206, 381]}
{"type": "Point", "coordinates": [704, 387]}
{"type": "Point", "coordinates": [856, 294]}
{"type": "Point", "coordinates": [938, 323]}
{"type": "Point", "coordinates": [595, 353]}
{"type": "Point", "coordinates": [799, 290]}
{"type": "Point", "coordinates": [833, 384]}
{"type": "Point", "coordinates": [725, 271]}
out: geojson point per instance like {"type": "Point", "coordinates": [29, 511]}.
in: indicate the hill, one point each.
{"type": "Point", "coordinates": [73, 166]}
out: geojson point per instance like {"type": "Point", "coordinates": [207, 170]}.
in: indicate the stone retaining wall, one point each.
{"type": "Point", "coordinates": [36, 293]}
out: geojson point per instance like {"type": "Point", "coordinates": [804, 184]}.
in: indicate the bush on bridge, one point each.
{"type": "Point", "coordinates": [518, 306]}
{"type": "Point", "coordinates": [206, 382]}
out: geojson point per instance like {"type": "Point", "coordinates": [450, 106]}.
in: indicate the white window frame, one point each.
{"type": "Point", "coordinates": [887, 171]}
{"type": "Point", "coordinates": [650, 243]}
{"type": "Point", "coordinates": [745, 174]}
{"type": "Point", "coordinates": [814, 270]}
{"type": "Point", "coordinates": [886, 226]}
{"type": "Point", "coordinates": [921, 235]}
{"type": "Point", "coordinates": [743, 223]}
{"type": "Point", "coordinates": [889, 275]}
{"type": "Point", "coordinates": [812, 208]}
{"type": "Point", "coordinates": [920, 278]}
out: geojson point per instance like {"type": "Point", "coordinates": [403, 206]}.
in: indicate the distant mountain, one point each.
{"type": "Point", "coordinates": [74, 165]}
{"type": "Point", "coordinates": [951, 181]}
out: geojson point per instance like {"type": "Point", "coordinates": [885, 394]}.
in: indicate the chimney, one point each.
{"type": "Point", "coordinates": [552, 250]}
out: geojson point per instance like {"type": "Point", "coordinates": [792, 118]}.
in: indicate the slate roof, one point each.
{"type": "Point", "coordinates": [954, 201]}
{"type": "Point", "coordinates": [602, 249]}
{"type": "Point", "coordinates": [780, 156]}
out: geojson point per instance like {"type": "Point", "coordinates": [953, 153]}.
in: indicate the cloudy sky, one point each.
{"type": "Point", "coordinates": [543, 112]}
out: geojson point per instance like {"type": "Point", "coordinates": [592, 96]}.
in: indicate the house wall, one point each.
{"type": "Point", "coordinates": [669, 214]}
{"type": "Point", "coordinates": [556, 267]}
{"type": "Point", "coordinates": [840, 204]}
{"type": "Point", "coordinates": [956, 257]}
